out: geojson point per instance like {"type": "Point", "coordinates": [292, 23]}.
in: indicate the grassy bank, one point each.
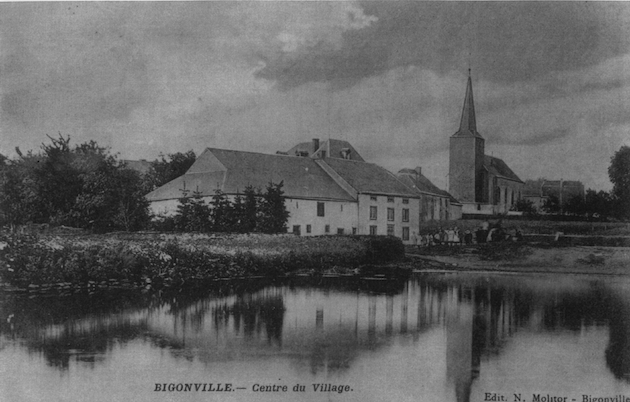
{"type": "Point", "coordinates": [159, 261]}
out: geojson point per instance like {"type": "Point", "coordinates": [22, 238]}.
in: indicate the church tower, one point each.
{"type": "Point", "coordinates": [466, 155]}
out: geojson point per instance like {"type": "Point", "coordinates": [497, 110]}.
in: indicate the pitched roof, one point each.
{"type": "Point", "coordinates": [367, 177]}
{"type": "Point", "coordinates": [468, 123]}
{"type": "Point", "coordinates": [232, 171]}
{"type": "Point", "coordinates": [334, 149]}
{"type": "Point", "coordinates": [499, 168]}
{"type": "Point", "coordinates": [418, 182]}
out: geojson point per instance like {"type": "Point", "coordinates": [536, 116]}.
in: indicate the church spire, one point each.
{"type": "Point", "coordinates": [468, 124]}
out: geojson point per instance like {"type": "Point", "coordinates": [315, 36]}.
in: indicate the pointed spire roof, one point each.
{"type": "Point", "coordinates": [468, 123]}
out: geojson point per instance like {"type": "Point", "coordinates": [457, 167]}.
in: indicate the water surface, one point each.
{"type": "Point", "coordinates": [438, 337]}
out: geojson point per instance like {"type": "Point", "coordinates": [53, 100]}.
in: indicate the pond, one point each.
{"type": "Point", "coordinates": [435, 337]}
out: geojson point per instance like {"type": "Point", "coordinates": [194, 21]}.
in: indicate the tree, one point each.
{"type": "Point", "coordinates": [221, 211]}
{"type": "Point", "coordinates": [575, 206]}
{"type": "Point", "coordinates": [193, 213]}
{"type": "Point", "coordinates": [619, 173]}
{"type": "Point", "coordinates": [82, 186]}
{"type": "Point", "coordinates": [598, 203]}
{"type": "Point", "coordinates": [250, 209]}
{"type": "Point", "coordinates": [551, 205]}
{"type": "Point", "coordinates": [169, 167]}
{"type": "Point", "coordinates": [273, 212]}
{"type": "Point", "coordinates": [525, 206]}
{"type": "Point", "coordinates": [237, 215]}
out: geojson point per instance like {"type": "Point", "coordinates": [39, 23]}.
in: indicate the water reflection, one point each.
{"type": "Point", "coordinates": [435, 337]}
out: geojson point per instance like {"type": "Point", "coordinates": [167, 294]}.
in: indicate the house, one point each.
{"type": "Point", "coordinates": [563, 190]}
{"type": "Point", "coordinates": [483, 184]}
{"type": "Point", "coordinates": [435, 203]}
{"type": "Point", "coordinates": [328, 189]}
{"type": "Point", "coordinates": [540, 190]}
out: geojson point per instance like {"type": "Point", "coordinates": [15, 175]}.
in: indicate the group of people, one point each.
{"type": "Point", "coordinates": [485, 233]}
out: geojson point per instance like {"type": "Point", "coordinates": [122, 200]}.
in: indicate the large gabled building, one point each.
{"type": "Point", "coordinates": [328, 189]}
{"type": "Point", "coordinates": [483, 184]}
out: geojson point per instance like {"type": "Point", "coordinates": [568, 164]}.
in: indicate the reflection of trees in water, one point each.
{"type": "Point", "coordinates": [251, 313]}
{"type": "Point", "coordinates": [86, 345]}
{"type": "Point", "coordinates": [86, 328]}
{"type": "Point", "coordinates": [82, 328]}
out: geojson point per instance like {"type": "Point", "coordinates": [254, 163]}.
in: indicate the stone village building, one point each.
{"type": "Point", "coordinates": [328, 189]}
{"type": "Point", "coordinates": [483, 184]}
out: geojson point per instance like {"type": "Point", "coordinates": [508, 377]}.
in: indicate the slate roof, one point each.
{"type": "Point", "coordinates": [332, 151]}
{"type": "Point", "coordinates": [499, 168]}
{"type": "Point", "coordinates": [420, 183]}
{"type": "Point", "coordinates": [368, 178]}
{"type": "Point", "coordinates": [231, 171]}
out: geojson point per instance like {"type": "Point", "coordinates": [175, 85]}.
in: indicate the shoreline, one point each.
{"type": "Point", "coordinates": [530, 259]}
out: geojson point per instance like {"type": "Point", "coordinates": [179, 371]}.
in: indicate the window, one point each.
{"type": "Point", "coordinates": [354, 230]}
{"type": "Point", "coordinates": [296, 230]}
{"type": "Point", "coordinates": [405, 215]}
{"type": "Point", "coordinates": [390, 199]}
{"type": "Point", "coordinates": [372, 198]}
{"type": "Point", "coordinates": [327, 229]}
{"type": "Point", "coordinates": [308, 228]}
{"type": "Point", "coordinates": [390, 214]}
{"type": "Point", "coordinates": [405, 200]}
{"type": "Point", "coordinates": [341, 207]}
{"type": "Point", "coordinates": [373, 230]}
{"type": "Point", "coordinates": [339, 230]}
{"type": "Point", "coordinates": [405, 233]}
{"type": "Point", "coordinates": [320, 209]}
{"type": "Point", "coordinates": [296, 204]}
{"type": "Point", "coordinates": [390, 230]}
{"type": "Point", "coordinates": [373, 213]}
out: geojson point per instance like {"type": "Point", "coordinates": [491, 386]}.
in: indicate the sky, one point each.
{"type": "Point", "coordinates": [551, 80]}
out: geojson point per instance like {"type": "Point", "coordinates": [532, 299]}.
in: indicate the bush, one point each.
{"type": "Point", "coordinates": [177, 261]}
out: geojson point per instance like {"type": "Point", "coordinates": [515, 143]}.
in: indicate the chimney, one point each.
{"type": "Point", "coordinates": [418, 170]}
{"type": "Point", "coordinates": [315, 145]}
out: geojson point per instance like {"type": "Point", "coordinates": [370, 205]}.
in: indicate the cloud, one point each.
{"type": "Point", "coordinates": [389, 77]}
{"type": "Point", "coordinates": [502, 42]}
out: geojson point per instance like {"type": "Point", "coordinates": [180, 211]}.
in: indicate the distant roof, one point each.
{"type": "Point", "coordinates": [565, 183]}
{"type": "Point", "coordinates": [334, 149]}
{"type": "Point", "coordinates": [499, 168]}
{"type": "Point", "coordinates": [232, 171]}
{"type": "Point", "coordinates": [421, 184]}
{"type": "Point", "coordinates": [368, 177]}
{"type": "Point", "coordinates": [143, 166]}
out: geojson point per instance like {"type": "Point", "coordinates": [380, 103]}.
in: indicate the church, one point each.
{"type": "Point", "coordinates": [483, 184]}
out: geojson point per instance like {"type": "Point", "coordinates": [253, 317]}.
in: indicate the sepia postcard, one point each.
{"type": "Point", "coordinates": [315, 201]}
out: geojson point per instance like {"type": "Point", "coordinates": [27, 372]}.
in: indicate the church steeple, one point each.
{"type": "Point", "coordinates": [468, 123]}
{"type": "Point", "coordinates": [467, 156]}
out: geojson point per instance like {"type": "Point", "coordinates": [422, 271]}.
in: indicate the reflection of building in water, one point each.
{"type": "Point", "coordinates": [478, 322]}
{"type": "Point", "coordinates": [322, 331]}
